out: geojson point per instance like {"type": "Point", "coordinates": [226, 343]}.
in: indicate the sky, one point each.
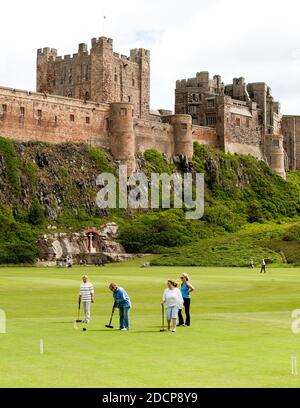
{"type": "Point", "coordinates": [257, 39]}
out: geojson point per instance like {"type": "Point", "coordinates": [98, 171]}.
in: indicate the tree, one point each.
{"type": "Point", "coordinates": [36, 215]}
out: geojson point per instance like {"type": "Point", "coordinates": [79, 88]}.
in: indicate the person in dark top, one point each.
{"type": "Point", "coordinates": [263, 266]}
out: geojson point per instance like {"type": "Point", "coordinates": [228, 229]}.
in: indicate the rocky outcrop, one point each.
{"type": "Point", "coordinates": [92, 245]}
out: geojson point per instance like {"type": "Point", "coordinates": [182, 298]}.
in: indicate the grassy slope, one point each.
{"type": "Point", "coordinates": [253, 241]}
{"type": "Point", "coordinates": [239, 190]}
{"type": "Point", "coordinates": [240, 337]}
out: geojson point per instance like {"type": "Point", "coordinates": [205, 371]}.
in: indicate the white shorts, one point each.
{"type": "Point", "coordinates": [172, 312]}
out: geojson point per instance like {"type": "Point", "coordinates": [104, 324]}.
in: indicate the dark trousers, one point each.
{"type": "Point", "coordinates": [263, 269]}
{"type": "Point", "coordinates": [187, 307]}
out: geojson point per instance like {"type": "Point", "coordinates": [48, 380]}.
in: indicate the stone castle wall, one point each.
{"type": "Point", "coordinates": [291, 140]}
{"type": "Point", "coordinates": [27, 116]}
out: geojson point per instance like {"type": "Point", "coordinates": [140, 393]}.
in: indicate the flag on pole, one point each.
{"type": "Point", "coordinates": [104, 18]}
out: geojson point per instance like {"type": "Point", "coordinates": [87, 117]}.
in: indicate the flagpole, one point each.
{"type": "Point", "coordinates": [104, 18]}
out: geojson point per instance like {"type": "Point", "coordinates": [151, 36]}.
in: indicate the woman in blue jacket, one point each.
{"type": "Point", "coordinates": [186, 290]}
{"type": "Point", "coordinates": [123, 303]}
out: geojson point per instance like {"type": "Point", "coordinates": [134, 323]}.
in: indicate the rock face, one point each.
{"type": "Point", "coordinates": [92, 245]}
{"type": "Point", "coordinates": [62, 177]}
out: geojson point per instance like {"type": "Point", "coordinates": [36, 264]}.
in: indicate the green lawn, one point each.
{"type": "Point", "coordinates": [240, 336]}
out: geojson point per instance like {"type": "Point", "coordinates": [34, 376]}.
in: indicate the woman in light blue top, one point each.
{"type": "Point", "coordinates": [186, 290]}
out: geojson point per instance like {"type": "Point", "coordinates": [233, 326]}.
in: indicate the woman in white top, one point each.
{"type": "Point", "coordinates": [173, 300]}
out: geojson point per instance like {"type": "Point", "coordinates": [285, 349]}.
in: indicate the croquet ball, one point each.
{"type": "Point", "coordinates": [84, 329]}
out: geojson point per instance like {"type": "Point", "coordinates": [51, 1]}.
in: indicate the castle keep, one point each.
{"type": "Point", "coordinates": [99, 75]}
{"type": "Point", "coordinates": [102, 98]}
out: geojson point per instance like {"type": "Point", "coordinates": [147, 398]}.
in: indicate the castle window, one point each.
{"type": "Point", "coordinates": [211, 120]}
{"type": "Point", "coordinates": [39, 117]}
{"type": "Point", "coordinates": [72, 118]}
{"type": "Point", "coordinates": [87, 120]}
{"type": "Point", "coordinates": [22, 111]}
{"type": "Point", "coordinates": [62, 81]}
{"type": "Point", "coordinates": [129, 98]}
{"type": "Point", "coordinates": [184, 126]}
{"type": "Point", "coordinates": [276, 143]}
{"type": "Point", "coordinates": [211, 103]}
{"type": "Point", "coordinates": [238, 122]}
{"type": "Point", "coordinates": [123, 112]}
{"type": "Point", "coordinates": [87, 96]}
{"type": "Point", "coordinates": [192, 109]}
{"type": "Point", "coordinates": [55, 120]}
{"type": "Point", "coordinates": [133, 82]}
{"type": "Point", "coordinates": [4, 110]}
{"type": "Point", "coordinates": [107, 121]}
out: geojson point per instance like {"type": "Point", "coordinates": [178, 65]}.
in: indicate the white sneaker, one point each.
{"type": "Point", "coordinates": [174, 331]}
{"type": "Point", "coordinates": [124, 329]}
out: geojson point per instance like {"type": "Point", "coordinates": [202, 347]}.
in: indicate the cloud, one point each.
{"type": "Point", "coordinates": [258, 40]}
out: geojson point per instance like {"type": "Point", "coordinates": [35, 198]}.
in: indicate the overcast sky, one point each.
{"type": "Point", "coordinates": [257, 39]}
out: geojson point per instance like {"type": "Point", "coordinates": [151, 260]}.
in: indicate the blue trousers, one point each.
{"type": "Point", "coordinates": [124, 317]}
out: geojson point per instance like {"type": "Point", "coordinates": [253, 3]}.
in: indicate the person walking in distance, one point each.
{"type": "Point", "coordinates": [252, 264]}
{"type": "Point", "coordinates": [186, 289]}
{"type": "Point", "coordinates": [123, 303]}
{"type": "Point", "coordinates": [173, 300]}
{"type": "Point", "coordinates": [263, 266]}
{"type": "Point", "coordinates": [86, 297]}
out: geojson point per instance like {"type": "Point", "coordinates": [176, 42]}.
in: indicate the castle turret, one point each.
{"type": "Point", "coordinates": [142, 57]}
{"type": "Point", "coordinates": [102, 80]}
{"type": "Point", "coordinates": [183, 137]}
{"type": "Point", "coordinates": [278, 155]}
{"type": "Point", "coordinates": [122, 134]}
{"type": "Point", "coordinates": [44, 77]}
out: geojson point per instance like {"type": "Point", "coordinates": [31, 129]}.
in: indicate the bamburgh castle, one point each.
{"type": "Point", "coordinates": [102, 98]}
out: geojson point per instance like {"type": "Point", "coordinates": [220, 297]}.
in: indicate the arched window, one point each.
{"type": "Point", "coordinates": [87, 96]}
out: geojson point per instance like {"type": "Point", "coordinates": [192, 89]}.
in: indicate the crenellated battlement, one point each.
{"type": "Point", "coordinates": [47, 52]}
{"type": "Point", "coordinates": [100, 41]}
{"type": "Point", "coordinates": [138, 53]}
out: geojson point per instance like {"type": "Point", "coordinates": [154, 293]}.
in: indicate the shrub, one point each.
{"type": "Point", "coordinates": [155, 162]}
{"type": "Point", "coordinates": [101, 160]}
{"type": "Point", "coordinates": [36, 214]}
{"type": "Point", "coordinates": [7, 150]}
